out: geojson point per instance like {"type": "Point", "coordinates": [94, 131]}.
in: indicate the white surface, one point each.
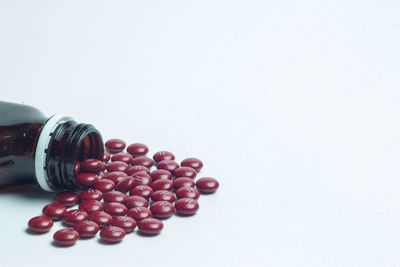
{"type": "Point", "coordinates": [292, 105]}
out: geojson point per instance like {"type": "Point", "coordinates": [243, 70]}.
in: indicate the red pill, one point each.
{"type": "Point", "coordinates": [192, 163]}
{"type": "Point", "coordinates": [143, 161]}
{"type": "Point", "coordinates": [162, 184]}
{"type": "Point", "coordinates": [142, 178]}
{"type": "Point", "coordinates": [115, 209]}
{"type": "Point", "coordinates": [162, 209]}
{"type": "Point", "coordinates": [91, 165]}
{"type": "Point", "coordinates": [125, 185]}
{"type": "Point", "coordinates": [122, 156]}
{"type": "Point", "coordinates": [104, 185]}
{"type": "Point", "coordinates": [185, 172]}
{"type": "Point", "coordinates": [160, 174]}
{"type": "Point", "coordinates": [139, 213]}
{"type": "Point", "coordinates": [186, 206]}
{"type": "Point", "coordinates": [87, 179]}
{"type": "Point", "coordinates": [40, 224]}
{"type": "Point", "coordinates": [187, 192]}
{"type": "Point", "coordinates": [124, 222]}
{"type": "Point", "coordinates": [74, 216]}
{"type": "Point", "coordinates": [137, 149]}
{"type": "Point", "coordinates": [163, 155]}
{"type": "Point", "coordinates": [115, 145]}
{"type": "Point", "coordinates": [91, 194]}
{"type": "Point", "coordinates": [67, 198]}
{"type": "Point", "coordinates": [138, 168]}
{"type": "Point", "coordinates": [183, 181]}
{"type": "Point", "coordinates": [163, 195]}
{"type": "Point", "coordinates": [135, 201]}
{"type": "Point", "coordinates": [144, 191]}
{"type": "Point", "coordinates": [117, 166]}
{"type": "Point", "coordinates": [112, 234]}
{"type": "Point", "coordinates": [66, 237]}
{"type": "Point", "coordinates": [91, 205]}
{"type": "Point", "coordinates": [168, 165]}
{"type": "Point", "coordinates": [101, 218]}
{"type": "Point", "coordinates": [114, 196]}
{"type": "Point", "coordinates": [54, 211]}
{"type": "Point", "coordinates": [102, 176]}
{"type": "Point", "coordinates": [87, 229]}
{"type": "Point", "coordinates": [207, 185]}
{"type": "Point", "coordinates": [150, 226]}
{"type": "Point", "coordinates": [106, 157]}
{"type": "Point", "coordinates": [77, 167]}
{"type": "Point", "coordinates": [116, 177]}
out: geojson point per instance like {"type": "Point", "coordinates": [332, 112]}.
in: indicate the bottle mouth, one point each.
{"type": "Point", "coordinates": [67, 143]}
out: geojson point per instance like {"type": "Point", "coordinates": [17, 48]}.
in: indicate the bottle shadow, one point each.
{"type": "Point", "coordinates": [30, 191]}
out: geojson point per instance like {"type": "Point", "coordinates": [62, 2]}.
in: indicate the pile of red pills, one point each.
{"type": "Point", "coordinates": [122, 192]}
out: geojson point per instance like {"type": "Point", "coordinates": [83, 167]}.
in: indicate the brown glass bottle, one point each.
{"type": "Point", "coordinates": [36, 148]}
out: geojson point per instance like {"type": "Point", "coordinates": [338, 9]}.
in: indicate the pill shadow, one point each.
{"type": "Point", "coordinates": [31, 232]}
{"type": "Point", "coordinates": [101, 241]}
{"type": "Point", "coordinates": [177, 214]}
{"type": "Point", "coordinates": [55, 244]}
{"type": "Point", "coordinates": [30, 191]}
{"type": "Point", "coordinates": [145, 236]}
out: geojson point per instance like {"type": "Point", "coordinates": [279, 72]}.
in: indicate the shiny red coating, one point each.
{"type": "Point", "coordinates": [102, 176]}
{"type": "Point", "coordinates": [77, 167]}
{"type": "Point", "coordinates": [125, 185]}
{"type": "Point", "coordinates": [135, 201]}
{"type": "Point", "coordinates": [139, 213]}
{"type": "Point", "coordinates": [138, 168]}
{"type": "Point", "coordinates": [114, 196]}
{"type": "Point", "coordinates": [117, 166]}
{"type": "Point", "coordinates": [91, 205]}
{"type": "Point", "coordinates": [183, 181]}
{"type": "Point", "coordinates": [40, 224]}
{"type": "Point", "coordinates": [144, 191]}
{"type": "Point", "coordinates": [67, 198]}
{"type": "Point", "coordinates": [150, 226]}
{"type": "Point", "coordinates": [112, 234]}
{"type": "Point", "coordinates": [66, 237]}
{"type": "Point", "coordinates": [162, 209]}
{"type": "Point", "coordinates": [104, 185]}
{"type": "Point", "coordinates": [87, 229]}
{"type": "Point", "coordinates": [122, 156]}
{"type": "Point", "coordinates": [137, 149]}
{"type": "Point", "coordinates": [115, 209]}
{"type": "Point", "coordinates": [54, 211]}
{"type": "Point", "coordinates": [192, 163]}
{"type": "Point", "coordinates": [186, 206]}
{"type": "Point", "coordinates": [143, 161]}
{"type": "Point", "coordinates": [106, 157]}
{"type": "Point", "coordinates": [101, 218]}
{"type": "Point", "coordinates": [207, 185]}
{"type": "Point", "coordinates": [185, 172]}
{"type": "Point", "coordinates": [115, 145]}
{"type": "Point", "coordinates": [91, 194]}
{"type": "Point", "coordinates": [142, 178]}
{"type": "Point", "coordinates": [87, 179]}
{"type": "Point", "coordinates": [116, 176]}
{"type": "Point", "coordinates": [187, 192]}
{"type": "Point", "coordinates": [124, 222]}
{"type": "Point", "coordinates": [163, 195]}
{"type": "Point", "coordinates": [91, 165]}
{"type": "Point", "coordinates": [74, 216]}
{"type": "Point", "coordinates": [162, 155]}
{"type": "Point", "coordinates": [162, 184]}
{"type": "Point", "coordinates": [160, 174]}
{"type": "Point", "coordinates": [168, 165]}
{"type": "Point", "coordinates": [103, 166]}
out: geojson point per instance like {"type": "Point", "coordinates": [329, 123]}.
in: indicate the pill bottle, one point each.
{"type": "Point", "coordinates": [38, 149]}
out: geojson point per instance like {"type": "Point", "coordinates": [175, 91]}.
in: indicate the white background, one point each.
{"type": "Point", "coordinates": [292, 105]}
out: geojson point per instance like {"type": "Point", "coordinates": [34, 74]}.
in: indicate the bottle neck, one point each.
{"type": "Point", "coordinates": [62, 142]}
